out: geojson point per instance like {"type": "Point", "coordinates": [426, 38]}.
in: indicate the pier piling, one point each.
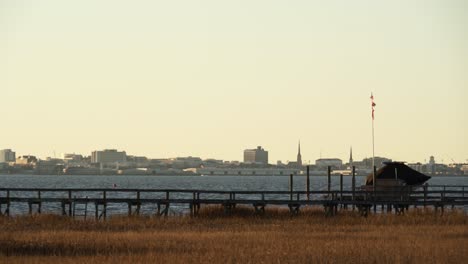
{"type": "Point", "coordinates": [308, 183]}
{"type": "Point", "coordinates": [435, 197]}
{"type": "Point", "coordinates": [291, 187]}
{"type": "Point", "coordinates": [341, 188]}
{"type": "Point", "coordinates": [69, 202]}
{"type": "Point", "coordinates": [353, 185]}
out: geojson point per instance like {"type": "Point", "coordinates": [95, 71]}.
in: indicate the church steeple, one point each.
{"type": "Point", "coordinates": [351, 157]}
{"type": "Point", "coordinates": [299, 156]}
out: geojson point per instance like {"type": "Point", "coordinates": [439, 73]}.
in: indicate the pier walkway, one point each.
{"type": "Point", "coordinates": [72, 201]}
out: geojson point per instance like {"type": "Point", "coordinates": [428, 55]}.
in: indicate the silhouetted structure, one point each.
{"type": "Point", "coordinates": [299, 156]}
{"type": "Point", "coordinates": [398, 170]}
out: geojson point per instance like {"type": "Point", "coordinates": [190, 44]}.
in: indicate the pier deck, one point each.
{"type": "Point", "coordinates": [70, 200]}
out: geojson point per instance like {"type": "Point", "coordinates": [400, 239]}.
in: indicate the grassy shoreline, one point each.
{"type": "Point", "coordinates": [417, 237]}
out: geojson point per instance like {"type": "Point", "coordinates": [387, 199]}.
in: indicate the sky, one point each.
{"type": "Point", "coordinates": [212, 78]}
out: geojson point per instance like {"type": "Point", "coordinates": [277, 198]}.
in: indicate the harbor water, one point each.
{"type": "Point", "coordinates": [213, 183]}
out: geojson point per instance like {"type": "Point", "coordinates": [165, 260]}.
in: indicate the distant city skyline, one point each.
{"type": "Point", "coordinates": [249, 158]}
{"type": "Point", "coordinates": [212, 78]}
{"type": "Point", "coordinates": [255, 162]}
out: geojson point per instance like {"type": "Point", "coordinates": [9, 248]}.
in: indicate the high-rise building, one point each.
{"type": "Point", "coordinates": [108, 156]}
{"type": "Point", "coordinates": [258, 155]}
{"type": "Point", "coordinates": [7, 155]}
{"type": "Point", "coordinates": [299, 156]}
{"type": "Point", "coordinates": [432, 165]}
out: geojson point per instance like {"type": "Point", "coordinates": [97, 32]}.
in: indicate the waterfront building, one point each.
{"type": "Point", "coordinates": [464, 169]}
{"type": "Point", "coordinates": [68, 157]}
{"type": "Point", "coordinates": [324, 163]}
{"type": "Point", "coordinates": [213, 163]}
{"type": "Point", "coordinates": [7, 155]}
{"type": "Point", "coordinates": [242, 171]}
{"type": "Point", "coordinates": [74, 160]}
{"type": "Point", "coordinates": [379, 161]}
{"type": "Point", "coordinates": [137, 161]}
{"type": "Point", "coordinates": [418, 166]}
{"type": "Point", "coordinates": [49, 166]}
{"type": "Point", "coordinates": [26, 160]}
{"type": "Point", "coordinates": [78, 170]}
{"type": "Point", "coordinates": [258, 155]}
{"type": "Point", "coordinates": [108, 156]}
{"type": "Point", "coordinates": [186, 162]}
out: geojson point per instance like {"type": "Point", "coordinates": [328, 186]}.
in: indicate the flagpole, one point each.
{"type": "Point", "coordinates": [373, 155]}
{"type": "Point", "coordinates": [373, 144]}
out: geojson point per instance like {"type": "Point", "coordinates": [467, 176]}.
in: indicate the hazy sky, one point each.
{"type": "Point", "coordinates": [211, 78]}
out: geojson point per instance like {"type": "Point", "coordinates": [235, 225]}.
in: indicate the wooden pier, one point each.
{"type": "Point", "coordinates": [74, 202]}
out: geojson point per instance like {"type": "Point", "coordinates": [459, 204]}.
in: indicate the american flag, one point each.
{"type": "Point", "coordinates": [373, 105]}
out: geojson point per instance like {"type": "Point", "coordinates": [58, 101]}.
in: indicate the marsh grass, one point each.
{"type": "Point", "coordinates": [242, 237]}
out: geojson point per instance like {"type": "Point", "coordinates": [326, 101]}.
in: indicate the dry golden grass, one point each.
{"type": "Point", "coordinates": [276, 237]}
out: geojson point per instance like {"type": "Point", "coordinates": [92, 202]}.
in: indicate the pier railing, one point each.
{"type": "Point", "coordinates": [436, 196]}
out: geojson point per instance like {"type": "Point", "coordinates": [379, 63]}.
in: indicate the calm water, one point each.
{"type": "Point", "coordinates": [226, 183]}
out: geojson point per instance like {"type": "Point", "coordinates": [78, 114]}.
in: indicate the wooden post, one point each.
{"type": "Point", "coordinates": [138, 203]}
{"type": "Point", "coordinates": [8, 203]}
{"type": "Point", "coordinates": [290, 187]}
{"type": "Point", "coordinates": [104, 212]}
{"type": "Point", "coordinates": [69, 203]}
{"type": "Point", "coordinates": [166, 210]}
{"type": "Point", "coordinates": [308, 183]}
{"type": "Point", "coordinates": [192, 205]}
{"type": "Point", "coordinates": [329, 180]}
{"type": "Point", "coordinates": [62, 205]}
{"type": "Point", "coordinates": [341, 188]}
{"type": "Point", "coordinates": [375, 173]}
{"type": "Point", "coordinates": [96, 210]}
{"type": "Point", "coordinates": [39, 202]}
{"type": "Point", "coordinates": [74, 203]}
{"type": "Point", "coordinates": [425, 195]}
{"type": "Point", "coordinates": [86, 208]}
{"type": "Point", "coordinates": [353, 185]}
